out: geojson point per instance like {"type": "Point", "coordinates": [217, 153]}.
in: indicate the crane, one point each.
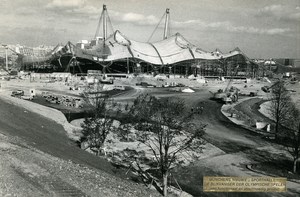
{"type": "Point", "coordinates": [229, 95]}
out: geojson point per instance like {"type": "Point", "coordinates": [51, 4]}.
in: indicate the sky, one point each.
{"type": "Point", "coordinates": [260, 28]}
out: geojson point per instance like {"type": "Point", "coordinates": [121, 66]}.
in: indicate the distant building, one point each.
{"type": "Point", "coordinates": [95, 41]}
{"type": "Point", "coordinates": [39, 51]}
{"type": "Point", "coordinates": [83, 44]}
{"type": "Point", "coordinates": [296, 63]}
{"type": "Point", "coordinates": [288, 62]}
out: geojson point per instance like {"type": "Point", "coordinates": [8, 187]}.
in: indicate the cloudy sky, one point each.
{"type": "Point", "coordinates": [261, 28]}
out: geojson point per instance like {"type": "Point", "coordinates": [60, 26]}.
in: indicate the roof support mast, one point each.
{"type": "Point", "coordinates": [6, 58]}
{"type": "Point", "coordinates": [104, 23]}
{"type": "Point", "coordinates": [166, 24]}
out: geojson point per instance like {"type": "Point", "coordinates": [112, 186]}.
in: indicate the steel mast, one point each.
{"type": "Point", "coordinates": [104, 23]}
{"type": "Point", "coordinates": [166, 24]}
{"type": "Point", "coordinates": [6, 56]}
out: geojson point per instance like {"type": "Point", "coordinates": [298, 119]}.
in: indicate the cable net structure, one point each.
{"type": "Point", "coordinates": [116, 47]}
{"type": "Point", "coordinates": [110, 50]}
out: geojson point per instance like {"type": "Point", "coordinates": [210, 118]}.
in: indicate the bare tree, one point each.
{"type": "Point", "coordinates": [293, 133]}
{"type": "Point", "coordinates": [163, 123]}
{"type": "Point", "coordinates": [125, 120]}
{"type": "Point", "coordinates": [98, 124]}
{"type": "Point", "coordinates": [287, 119]}
{"type": "Point", "coordinates": [280, 105]}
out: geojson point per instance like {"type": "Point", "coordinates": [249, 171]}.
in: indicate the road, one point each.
{"type": "Point", "coordinates": [219, 131]}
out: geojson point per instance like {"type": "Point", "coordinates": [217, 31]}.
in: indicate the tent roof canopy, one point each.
{"type": "Point", "coordinates": [118, 47]}
{"type": "Point", "coordinates": [169, 51]}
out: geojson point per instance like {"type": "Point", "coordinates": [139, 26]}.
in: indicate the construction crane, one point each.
{"type": "Point", "coordinates": [228, 95]}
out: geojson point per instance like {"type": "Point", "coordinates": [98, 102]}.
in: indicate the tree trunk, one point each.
{"type": "Point", "coordinates": [276, 130]}
{"type": "Point", "coordinates": [165, 184]}
{"type": "Point", "coordinates": [295, 165]}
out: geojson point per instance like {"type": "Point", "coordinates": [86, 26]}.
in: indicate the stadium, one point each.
{"type": "Point", "coordinates": [116, 53]}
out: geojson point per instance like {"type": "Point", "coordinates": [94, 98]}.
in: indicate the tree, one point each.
{"type": "Point", "coordinates": [98, 124]}
{"type": "Point", "coordinates": [125, 119]}
{"type": "Point", "coordinates": [287, 119]}
{"type": "Point", "coordinates": [167, 131]}
{"type": "Point", "coordinates": [280, 105]}
{"type": "Point", "coordinates": [293, 133]}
